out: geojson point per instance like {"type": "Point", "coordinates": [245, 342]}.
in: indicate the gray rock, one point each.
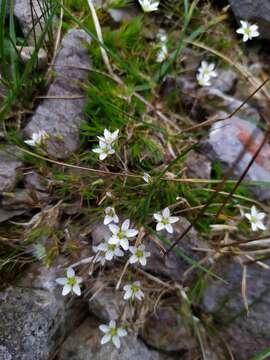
{"type": "Point", "coordinates": [254, 11]}
{"type": "Point", "coordinates": [226, 141]}
{"type": "Point", "coordinates": [26, 53]}
{"type": "Point", "coordinates": [124, 14]}
{"type": "Point", "coordinates": [35, 317]}
{"type": "Point", "coordinates": [24, 199]}
{"type": "Point", "coordinates": [198, 166]}
{"type": "Point", "coordinates": [173, 266]}
{"type": "Point", "coordinates": [30, 18]}
{"type": "Point", "coordinates": [167, 330]}
{"type": "Point", "coordinates": [84, 344]}
{"type": "Point", "coordinates": [9, 168]}
{"type": "Point", "coordinates": [225, 81]}
{"type": "Point", "coordinates": [245, 334]}
{"type": "Point", "coordinates": [61, 118]}
{"type": "Point", "coordinates": [107, 304]}
{"type": "Point", "coordinates": [6, 215]}
{"type": "Point", "coordinates": [212, 100]}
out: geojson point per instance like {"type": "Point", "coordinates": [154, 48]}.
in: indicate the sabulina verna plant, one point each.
{"type": "Point", "coordinates": [256, 219]}
{"type": "Point", "coordinates": [106, 143]}
{"type": "Point", "coordinates": [139, 255]}
{"type": "Point", "coordinates": [37, 138]}
{"type": "Point", "coordinates": [149, 5]}
{"type": "Point", "coordinates": [112, 333]}
{"type": "Point", "coordinates": [205, 73]}
{"type": "Point", "coordinates": [248, 30]}
{"type": "Point", "coordinates": [165, 220]}
{"type": "Point", "coordinates": [121, 234]}
{"type": "Point", "coordinates": [133, 291]}
{"type": "Point", "coordinates": [71, 283]}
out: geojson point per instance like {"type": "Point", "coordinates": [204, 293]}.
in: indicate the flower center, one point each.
{"type": "Point", "coordinates": [113, 331]}
{"type": "Point", "coordinates": [112, 247]}
{"type": "Point", "coordinates": [253, 219]}
{"type": "Point", "coordinates": [139, 253]}
{"type": "Point", "coordinates": [72, 281]}
{"type": "Point", "coordinates": [165, 221]}
{"type": "Point", "coordinates": [134, 288]}
{"type": "Point", "coordinates": [121, 234]}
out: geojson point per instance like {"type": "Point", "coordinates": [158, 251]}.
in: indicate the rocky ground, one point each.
{"type": "Point", "coordinates": [188, 313]}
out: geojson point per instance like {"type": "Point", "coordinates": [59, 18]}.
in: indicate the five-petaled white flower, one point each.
{"type": "Point", "coordinates": [121, 234]}
{"type": "Point", "coordinates": [71, 283]}
{"type": "Point", "coordinates": [147, 178]}
{"type": "Point", "coordinates": [37, 138]}
{"type": "Point", "coordinates": [108, 251]}
{"type": "Point", "coordinates": [112, 333]}
{"type": "Point", "coordinates": [248, 30]}
{"type": "Point", "coordinates": [255, 218]}
{"type": "Point", "coordinates": [138, 254]}
{"type": "Point", "coordinates": [133, 291]}
{"type": "Point", "coordinates": [205, 73]}
{"type": "Point", "coordinates": [165, 220]}
{"type": "Point", "coordinates": [149, 5]}
{"type": "Point", "coordinates": [110, 216]}
{"type": "Point", "coordinates": [104, 150]}
{"type": "Point", "coordinates": [109, 137]}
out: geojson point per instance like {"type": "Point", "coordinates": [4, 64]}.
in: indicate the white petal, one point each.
{"type": "Point", "coordinates": [133, 259]}
{"type": "Point", "coordinates": [125, 244]}
{"type": "Point", "coordinates": [107, 219]}
{"type": "Point", "coordinates": [102, 156]}
{"type": "Point", "coordinates": [166, 212]}
{"type": "Point", "coordinates": [173, 219]}
{"type": "Point", "coordinates": [127, 294]}
{"type": "Point", "coordinates": [159, 226]}
{"type": "Point", "coordinates": [143, 261]}
{"type": "Point", "coordinates": [78, 279]}
{"type": "Point", "coordinates": [109, 255]}
{"type": "Point", "coordinates": [104, 328]}
{"type": "Point", "coordinates": [76, 289]}
{"type": "Point", "coordinates": [125, 225]}
{"type": "Point", "coordinates": [114, 229]}
{"type": "Point", "coordinates": [61, 281]}
{"type": "Point", "coordinates": [132, 249]}
{"type": "Point", "coordinates": [169, 228]}
{"type": "Point", "coordinates": [121, 332]}
{"type": "Point", "coordinates": [105, 339]}
{"type": "Point", "coordinates": [116, 218]}
{"type": "Point", "coordinates": [112, 323]}
{"type": "Point", "coordinates": [70, 272]}
{"type": "Point", "coordinates": [158, 216]}
{"type": "Point", "coordinates": [116, 341]}
{"type": "Point", "coordinates": [114, 240]}
{"type": "Point", "coordinates": [66, 290]}
{"type": "Point", "coordinates": [131, 232]}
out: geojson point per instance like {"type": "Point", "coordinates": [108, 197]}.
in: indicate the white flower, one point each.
{"type": "Point", "coordinates": [121, 234]}
{"type": "Point", "coordinates": [133, 291]}
{"type": "Point", "coordinates": [162, 36]}
{"type": "Point", "coordinates": [255, 218]}
{"type": "Point", "coordinates": [248, 30]}
{"type": "Point", "coordinates": [37, 138]}
{"type": "Point", "coordinates": [149, 5]}
{"type": "Point", "coordinates": [110, 216]}
{"type": "Point", "coordinates": [205, 73]}
{"type": "Point", "coordinates": [104, 150]}
{"type": "Point", "coordinates": [147, 178]}
{"type": "Point", "coordinates": [71, 283]}
{"type": "Point", "coordinates": [162, 53]}
{"type": "Point", "coordinates": [109, 137]}
{"type": "Point", "coordinates": [164, 220]}
{"type": "Point", "coordinates": [109, 251]}
{"type": "Point", "coordinates": [138, 254]}
{"type": "Point", "coordinates": [112, 333]}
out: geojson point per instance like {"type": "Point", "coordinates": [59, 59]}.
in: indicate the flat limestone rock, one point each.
{"type": "Point", "coordinates": [9, 168]}
{"type": "Point", "coordinates": [226, 141]}
{"type": "Point", "coordinates": [61, 117]}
